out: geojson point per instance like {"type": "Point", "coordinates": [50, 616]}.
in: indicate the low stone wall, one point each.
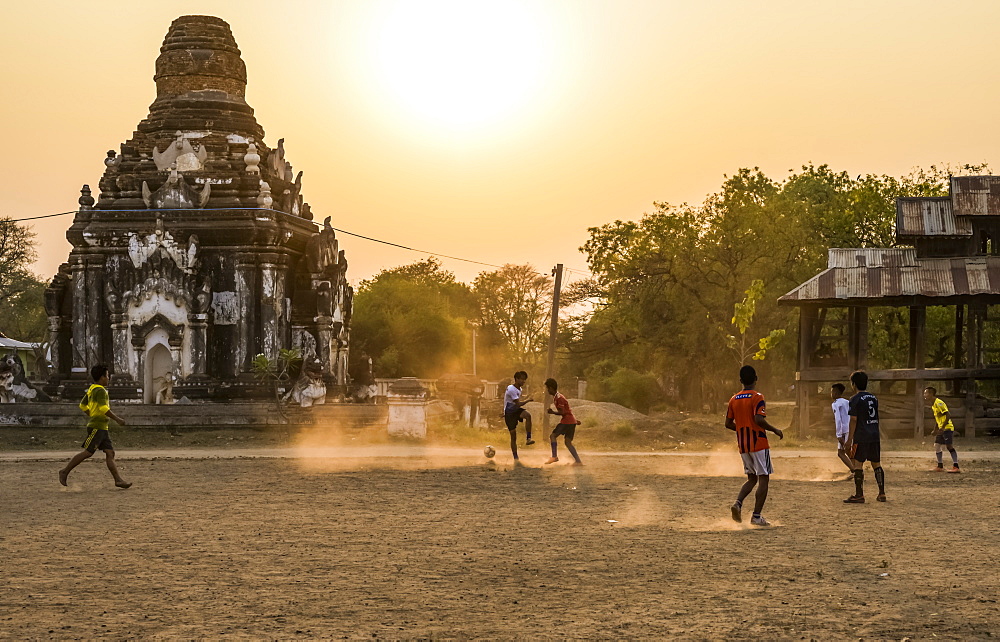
{"type": "Point", "coordinates": [254, 415]}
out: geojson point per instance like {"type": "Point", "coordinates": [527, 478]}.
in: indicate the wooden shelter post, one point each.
{"type": "Point", "coordinates": [918, 361]}
{"type": "Point", "coordinates": [807, 322]}
{"type": "Point", "coordinates": [973, 361]}
{"type": "Point", "coordinates": [857, 337]}
{"type": "Point", "coordinates": [956, 385]}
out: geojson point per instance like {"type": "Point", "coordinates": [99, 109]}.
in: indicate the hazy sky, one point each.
{"type": "Point", "coordinates": [500, 131]}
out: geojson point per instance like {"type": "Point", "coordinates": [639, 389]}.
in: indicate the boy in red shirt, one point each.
{"type": "Point", "coordinates": [567, 423]}
{"type": "Point", "coordinates": [747, 417]}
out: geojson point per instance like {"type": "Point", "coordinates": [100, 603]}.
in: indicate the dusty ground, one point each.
{"type": "Point", "coordinates": [453, 547]}
{"type": "Point", "coordinates": [687, 433]}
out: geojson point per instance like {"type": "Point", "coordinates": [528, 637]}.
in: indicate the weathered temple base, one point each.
{"type": "Point", "coordinates": [201, 416]}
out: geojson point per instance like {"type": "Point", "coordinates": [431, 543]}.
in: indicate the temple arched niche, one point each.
{"type": "Point", "coordinates": [158, 366]}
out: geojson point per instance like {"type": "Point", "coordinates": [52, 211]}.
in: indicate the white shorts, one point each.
{"type": "Point", "coordinates": [841, 439]}
{"type": "Point", "coordinates": [757, 463]}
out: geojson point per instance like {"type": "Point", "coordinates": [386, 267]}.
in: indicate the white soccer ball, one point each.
{"type": "Point", "coordinates": [489, 451]}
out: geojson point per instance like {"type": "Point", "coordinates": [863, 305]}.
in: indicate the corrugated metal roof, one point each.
{"type": "Point", "coordinates": [929, 217]}
{"type": "Point", "coordinates": [975, 195]}
{"type": "Point", "coordinates": [838, 257]}
{"type": "Point", "coordinates": [904, 276]}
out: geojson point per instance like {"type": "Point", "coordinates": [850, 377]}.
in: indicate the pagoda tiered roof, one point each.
{"type": "Point", "coordinates": [200, 124]}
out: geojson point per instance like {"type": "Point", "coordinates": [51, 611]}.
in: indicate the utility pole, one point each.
{"type": "Point", "coordinates": [475, 326]}
{"type": "Point", "coordinates": [557, 272]}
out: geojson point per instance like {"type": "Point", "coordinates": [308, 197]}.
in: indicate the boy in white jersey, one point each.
{"type": "Point", "coordinates": [514, 412]}
{"type": "Point", "coordinates": [842, 420]}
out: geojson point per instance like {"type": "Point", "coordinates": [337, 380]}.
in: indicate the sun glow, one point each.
{"type": "Point", "coordinates": [462, 64]}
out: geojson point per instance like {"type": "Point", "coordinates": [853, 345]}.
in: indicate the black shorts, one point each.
{"type": "Point", "coordinates": [871, 451]}
{"type": "Point", "coordinates": [565, 429]}
{"type": "Point", "coordinates": [98, 439]}
{"type": "Point", "coordinates": [512, 419]}
{"type": "Point", "coordinates": [945, 438]}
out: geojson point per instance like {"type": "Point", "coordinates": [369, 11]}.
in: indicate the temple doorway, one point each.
{"type": "Point", "coordinates": [158, 370]}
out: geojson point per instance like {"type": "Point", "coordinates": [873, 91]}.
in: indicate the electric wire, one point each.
{"type": "Point", "coordinates": [336, 229]}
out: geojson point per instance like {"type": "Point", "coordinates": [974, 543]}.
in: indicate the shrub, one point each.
{"type": "Point", "coordinates": [624, 429]}
{"type": "Point", "coordinates": [634, 389]}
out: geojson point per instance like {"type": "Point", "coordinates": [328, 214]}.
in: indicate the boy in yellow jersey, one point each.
{"type": "Point", "coordinates": [97, 404]}
{"type": "Point", "coordinates": [945, 432]}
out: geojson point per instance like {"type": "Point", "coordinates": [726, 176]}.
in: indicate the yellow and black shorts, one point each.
{"type": "Point", "coordinates": [945, 437]}
{"type": "Point", "coordinates": [98, 439]}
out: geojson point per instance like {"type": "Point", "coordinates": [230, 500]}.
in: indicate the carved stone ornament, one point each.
{"type": "Point", "coordinates": [113, 160]}
{"type": "Point", "coordinates": [309, 389]}
{"type": "Point", "coordinates": [164, 387]}
{"type": "Point", "coordinates": [252, 159]}
{"type": "Point", "coordinates": [277, 164]}
{"type": "Point", "coordinates": [86, 200]}
{"type": "Point", "coordinates": [175, 194]}
{"type": "Point", "coordinates": [175, 332]}
{"type": "Point", "coordinates": [293, 197]}
{"type": "Point", "coordinates": [182, 154]}
{"type": "Point", "coordinates": [264, 199]}
{"type": "Point", "coordinates": [306, 344]}
{"type": "Point", "coordinates": [321, 249]}
{"type": "Point", "coordinates": [141, 248]}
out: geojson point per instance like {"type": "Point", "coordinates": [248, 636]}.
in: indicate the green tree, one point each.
{"type": "Point", "coordinates": [22, 315]}
{"type": "Point", "coordinates": [411, 320]}
{"type": "Point", "coordinates": [22, 311]}
{"type": "Point", "coordinates": [17, 252]}
{"type": "Point", "coordinates": [515, 304]}
{"type": "Point", "coordinates": [665, 284]}
{"type": "Point", "coordinates": [743, 346]}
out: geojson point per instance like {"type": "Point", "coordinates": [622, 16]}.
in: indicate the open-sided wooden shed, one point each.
{"type": "Point", "coordinates": [953, 261]}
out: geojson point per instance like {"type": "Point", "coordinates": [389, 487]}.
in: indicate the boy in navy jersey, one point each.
{"type": "Point", "coordinates": [863, 441]}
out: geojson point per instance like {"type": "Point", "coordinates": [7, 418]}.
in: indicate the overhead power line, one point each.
{"type": "Point", "coordinates": [342, 231]}
{"type": "Point", "coordinates": [35, 218]}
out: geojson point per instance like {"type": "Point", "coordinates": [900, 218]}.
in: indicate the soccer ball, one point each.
{"type": "Point", "coordinates": [489, 451]}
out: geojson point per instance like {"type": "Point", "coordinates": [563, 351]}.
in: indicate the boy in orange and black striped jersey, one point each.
{"type": "Point", "coordinates": [747, 417]}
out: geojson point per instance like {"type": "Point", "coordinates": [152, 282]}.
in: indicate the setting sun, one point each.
{"type": "Point", "coordinates": [460, 65]}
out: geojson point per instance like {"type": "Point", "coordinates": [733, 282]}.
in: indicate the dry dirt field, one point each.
{"type": "Point", "coordinates": [452, 547]}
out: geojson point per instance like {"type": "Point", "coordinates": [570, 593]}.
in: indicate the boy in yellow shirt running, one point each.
{"type": "Point", "coordinates": [945, 432]}
{"type": "Point", "coordinates": [97, 404]}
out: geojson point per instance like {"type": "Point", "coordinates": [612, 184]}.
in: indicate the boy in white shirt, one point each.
{"type": "Point", "coordinates": [514, 412]}
{"type": "Point", "coordinates": [842, 421]}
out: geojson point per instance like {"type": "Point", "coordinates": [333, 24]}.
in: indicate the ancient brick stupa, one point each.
{"type": "Point", "coordinates": [199, 253]}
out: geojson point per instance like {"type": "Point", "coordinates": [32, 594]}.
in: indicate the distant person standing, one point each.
{"type": "Point", "coordinates": [96, 404]}
{"type": "Point", "coordinates": [567, 423]}
{"type": "Point", "coordinates": [747, 417]}
{"type": "Point", "coordinates": [842, 421]}
{"type": "Point", "coordinates": [944, 434]}
{"type": "Point", "coordinates": [514, 412]}
{"type": "Point", "coordinates": [863, 440]}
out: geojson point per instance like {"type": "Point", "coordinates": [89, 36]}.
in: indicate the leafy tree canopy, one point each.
{"type": "Point", "coordinates": [22, 312]}
{"type": "Point", "coordinates": [666, 284]}
{"type": "Point", "coordinates": [411, 320]}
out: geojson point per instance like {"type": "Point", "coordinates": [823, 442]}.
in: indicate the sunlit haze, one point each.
{"type": "Point", "coordinates": [459, 66]}
{"type": "Point", "coordinates": [499, 131]}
